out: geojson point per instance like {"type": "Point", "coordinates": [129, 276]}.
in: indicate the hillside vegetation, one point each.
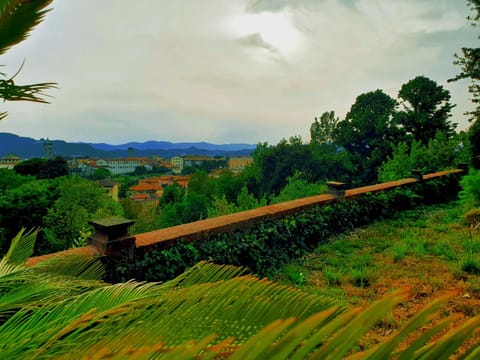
{"type": "Point", "coordinates": [430, 250]}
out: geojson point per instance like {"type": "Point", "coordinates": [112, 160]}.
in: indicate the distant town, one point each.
{"type": "Point", "coordinates": [168, 171]}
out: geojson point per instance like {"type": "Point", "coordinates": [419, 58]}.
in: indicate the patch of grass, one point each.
{"type": "Point", "coordinates": [333, 278]}
{"type": "Point", "coordinates": [295, 274]}
{"type": "Point", "coordinates": [360, 277]}
{"type": "Point", "coordinates": [471, 264]}
{"type": "Point", "coordinates": [399, 251]}
{"type": "Point", "coordinates": [473, 286]}
{"type": "Point", "coordinates": [443, 250]}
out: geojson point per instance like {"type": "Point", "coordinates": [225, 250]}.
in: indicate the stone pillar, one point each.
{"type": "Point", "coordinates": [336, 188]}
{"type": "Point", "coordinates": [463, 166]}
{"type": "Point", "coordinates": [117, 247]}
{"type": "Point", "coordinates": [417, 174]}
{"type": "Point", "coordinates": [111, 235]}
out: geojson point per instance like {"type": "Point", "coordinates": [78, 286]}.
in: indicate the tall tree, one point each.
{"type": "Point", "coordinates": [426, 109]}
{"type": "Point", "coordinates": [469, 63]}
{"type": "Point", "coordinates": [367, 133]}
{"type": "Point", "coordinates": [17, 20]}
{"type": "Point", "coordinates": [323, 128]}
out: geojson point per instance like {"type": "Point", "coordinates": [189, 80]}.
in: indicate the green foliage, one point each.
{"type": "Point", "coordinates": [30, 167]}
{"type": "Point", "coordinates": [295, 274]}
{"type": "Point", "coordinates": [144, 215]}
{"type": "Point", "coordinates": [439, 154]}
{"type": "Point", "coordinates": [43, 168]}
{"type": "Point", "coordinates": [220, 206]}
{"type": "Point", "coordinates": [469, 63]}
{"type": "Point", "coordinates": [9, 179]}
{"type": "Point", "coordinates": [78, 202]}
{"type": "Point", "coordinates": [322, 130]}
{"type": "Point", "coordinates": [101, 173]}
{"type": "Point", "coordinates": [426, 109]}
{"type": "Point", "coordinates": [53, 168]}
{"type": "Point", "coordinates": [474, 138]}
{"type": "Point", "coordinates": [367, 131]}
{"type": "Point", "coordinates": [25, 207]}
{"type": "Point", "coordinates": [470, 194]}
{"type": "Point", "coordinates": [297, 188]}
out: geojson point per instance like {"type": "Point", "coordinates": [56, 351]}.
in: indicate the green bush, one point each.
{"type": "Point", "coordinates": [470, 194]}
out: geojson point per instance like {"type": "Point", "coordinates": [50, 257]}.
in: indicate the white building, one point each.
{"type": "Point", "coordinates": [122, 165]}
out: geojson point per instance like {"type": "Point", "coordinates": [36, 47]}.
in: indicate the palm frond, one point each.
{"type": "Point", "coordinates": [73, 266]}
{"type": "Point", "coordinates": [21, 247]}
{"type": "Point", "coordinates": [18, 18]}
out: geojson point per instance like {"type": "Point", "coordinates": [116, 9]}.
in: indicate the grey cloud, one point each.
{"type": "Point", "coordinates": [256, 40]}
{"type": "Point", "coordinates": [256, 6]}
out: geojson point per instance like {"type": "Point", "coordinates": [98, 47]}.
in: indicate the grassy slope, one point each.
{"type": "Point", "coordinates": [426, 249]}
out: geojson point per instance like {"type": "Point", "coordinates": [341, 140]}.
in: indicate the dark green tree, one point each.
{"type": "Point", "coordinates": [469, 63]}
{"type": "Point", "coordinates": [9, 179]}
{"type": "Point", "coordinates": [172, 194]}
{"type": "Point", "coordinates": [30, 167]}
{"type": "Point", "coordinates": [53, 168]}
{"type": "Point", "coordinates": [101, 173]}
{"type": "Point", "coordinates": [367, 133]}
{"type": "Point", "coordinates": [277, 163]}
{"type": "Point", "coordinates": [201, 183]}
{"type": "Point", "coordinates": [26, 206]}
{"type": "Point", "coordinates": [79, 201]}
{"type": "Point", "coordinates": [323, 129]}
{"type": "Point", "coordinates": [426, 110]}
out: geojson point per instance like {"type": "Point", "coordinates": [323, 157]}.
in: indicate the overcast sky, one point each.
{"type": "Point", "coordinates": [227, 70]}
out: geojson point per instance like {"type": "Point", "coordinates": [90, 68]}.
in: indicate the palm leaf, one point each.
{"type": "Point", "coordinates": [21, 247]}
{"type": "Point", "coordinates": [18, 18]}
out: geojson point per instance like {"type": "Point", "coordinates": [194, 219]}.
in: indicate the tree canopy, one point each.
{"type": "Point", "coordinates": [426, 109]}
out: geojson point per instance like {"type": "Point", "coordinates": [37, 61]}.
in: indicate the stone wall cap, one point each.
{"type": "Point", "coordinates": [111, 221]}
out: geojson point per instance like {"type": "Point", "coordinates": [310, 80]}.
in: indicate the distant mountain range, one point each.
{"type": "Point", "coordinates": [28, 148]}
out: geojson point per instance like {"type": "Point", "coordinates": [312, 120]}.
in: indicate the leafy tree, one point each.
{"type": "Point", "coordinates": [367, 133]}
{"type": "Point", "coordinates": [25, 207]}
{"type": "Point", "coordinates": [200, 183]}
{"type": "Point", "coordinates": [101, 173]}
{"type": "Point", "coordinates": [172, 194]}
{"type": "Point", "coordinates": [426, 109]}
{"type": "Point", "coordinates": [145, 216]}
{"type": "Point", "coordinates": [440, 153]}
{"type": "Point", "coordinates": [43, 168]}
{"type": "Point", "coordinates": [297, 188]}
{"type": "Point", "coordinates": [220, 206]}
{"type": "Point", "coordinates": [469, 63]}
{"type": "Point", "coordinates": [246, 200]}
{"type": "Point", "coordinates": [140, 170]}
{"type": "Point", "coordinates": [228, 185]}
{"type": "Point", "coordinates": [30, 167]}
{"type": "Point", "coordinates": [17, 20]}
{"type": "Point", "coordinates": [9, 179]}
{"type": "Point", "coordinates": [474, 137]}
{"type": "Point", "coordinates": [53, 168]}
{"type": "Point", "coordinates": [79, 201]}
{"type": "Point", "coordinates": [195, 207]}
{"type": "Point", "coordinates": [277, 163]}
{"type": "Point", "coordinates": [322, 130]}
